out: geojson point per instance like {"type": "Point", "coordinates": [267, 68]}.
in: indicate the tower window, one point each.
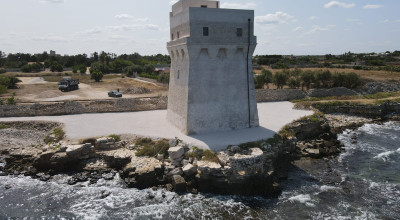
{"type": "Point", "coordinates": [172, 36]}
{"type": "Point", "coordinates": [239, 32]}
{"type": "Point", "coordinates": [177, 35]}
{"type": "Point", "coordinates": [205, 31]}
{"type": "Point", "coordinates": [204, 6]}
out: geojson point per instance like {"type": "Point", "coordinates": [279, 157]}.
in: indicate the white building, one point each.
{"type": "Point", "coordinates": [211, 84]}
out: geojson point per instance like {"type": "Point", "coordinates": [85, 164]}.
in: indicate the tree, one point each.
{"type": "Point", "coordinates": [75, 69]}
{"type": "Point", "coordinates": [148, 68]}
{"type": "Point", "coordinates": [280, 79]}
{"type": "Point", "coordinates": [82, 69]}
{"type": "Point", "coordinates": [13, 82]}
{"type": "Point", "coordinates": [324, 78]}
{"type": "Point", "coordinates": [259, 81]}
{"type": "Point", "coordinates": [56, 67]}
{"type": "Point", "coordinates": [96, 75]}
{"type": "Point", "coordinates": [307, 78]}
{"type": "Point", "coordinates": [267, 76]}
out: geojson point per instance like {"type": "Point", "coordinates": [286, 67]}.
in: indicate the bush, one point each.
{"type": "Point", "coordinates": [3, 89]}
{"type": "Point", "coordinates": [211, 156]}
{"type": "Point", "coordinates": [3, 126]}
{"type": "Point", "coordinates": [146, 75]}
{"type": "Point", "coordinates": [96, 75]}
{"type": "Point", "coordinates": [195, 152]}
{"type": "Point", "coordinates": [163, 78]}
{"type": "Point", "coordinates": [151, 149]}
{"type": "Point", "coordinates": [58, 134]}
{"type": "Point", "coordinates": [82, 69]}
{"type": "Point", "coordinates": [2, 70]}
{"type": "Point", "coordinates": [324, 78]}
{"type": "Point", "coordinates": [11, 101]}
{"type": "Point", "coordinates": [75, 69]}
{"type": "Point", "coordinates": [116, 138]}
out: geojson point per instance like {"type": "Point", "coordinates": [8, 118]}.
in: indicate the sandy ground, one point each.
{"type": "Point", "coordinates": [36, 89]}
{"type": "Point", "coordinates": [273, 116]}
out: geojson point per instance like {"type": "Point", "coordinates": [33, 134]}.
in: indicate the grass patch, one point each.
{"type": "Point", "coordinates": [152, 149]}
{"type": "Point", "coordinates": [210, 156]}
{"type": "Point", "coordinates": [3, 126]}
{"type": "Point", "coordinates": [195, 153]}
{"type": "Point", "coordinates": [250, 145]}
{"type": "Point", "coordinates": [382, 95]}
{"type": "Point", "coordinates": [116, 138]}
{"type": "Point", "coordinates": [57, 135]}
{"type": "Point", "coordinates": [285, 132]}
{"type": "Point", "coordinates": [381, 102]}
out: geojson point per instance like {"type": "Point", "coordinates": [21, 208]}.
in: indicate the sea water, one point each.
{"type": "Point", "coordinates": [370, 189]}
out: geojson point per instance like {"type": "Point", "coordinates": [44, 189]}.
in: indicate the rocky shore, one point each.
{"type": "Point", "coordinates": [248, 169]}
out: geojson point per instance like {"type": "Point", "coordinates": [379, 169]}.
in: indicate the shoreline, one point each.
{"type": "Point", "coordinates": [252, 169]}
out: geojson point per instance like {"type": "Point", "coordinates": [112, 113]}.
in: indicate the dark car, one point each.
{"type": "Point", "coordinates": [114, 93]}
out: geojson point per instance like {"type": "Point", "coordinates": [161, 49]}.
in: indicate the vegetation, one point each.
{"type": "Point", "coordinates": [96, 75]}
{"type": "Point", "coordinates": [382, 95]}
{"type": "Point", "coordinates": [11, 101]}
{"type": "Point", "coordinates": [150, 148]}
{"type": "Point", "coordinates": [57, 135]}
{"type": "Point", "coordinates": [3, 126]}
{"type": "Point", "coordinates": [115, 137]}
{"type": "Point", "coordinates": [210, 156]}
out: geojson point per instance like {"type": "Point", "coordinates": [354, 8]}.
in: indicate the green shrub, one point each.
{"type": "Point", "coordinates": [163, 78]}
{"type": "Point", "coordinates": [3, 126]}
{"type": "Point", "coordinates": [152, 149]}
{"type": "Point", "coordinates": [211, 156]}
{"type": "Point", "coordinates": [96, 75]}
{"type": "Point", "coordinates": [307, 78]}
{"type": "Point", "coordinates": [58, 136]}
{"type": "Point", "coordinates": [2, 70]}
{"type": "Point", "coordinates": [280, 79]}
{"type": "Point", "coordinates": [11, 101]}
{"type": "Point", "coordinates": [3, 89]}
{"type": "Point", "coordinates": [116, 138]}
{"type": "Point", "coordinates": [195, 152]}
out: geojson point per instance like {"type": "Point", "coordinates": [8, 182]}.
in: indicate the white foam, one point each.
{"type": "Point", "coordinates": [385, 155]}
{"type": "Point", "coordinates": [302, 198]}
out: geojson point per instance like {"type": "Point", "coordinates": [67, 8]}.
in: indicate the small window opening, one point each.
{"type": "Point", "coordinates": [205, 31]}
{"type": "Point", "coordinates": [204, 6]}
{"type": "Point", "coordinates": [172, 36]}
{"type": "Point", "coordinates": [178, 75]}
{"type": "Point", "coordinates": [239, 32]}
{"type": "Point", "coordinates": [177, 35]}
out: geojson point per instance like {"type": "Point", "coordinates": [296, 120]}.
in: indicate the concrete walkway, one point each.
{"type": "Point", "coordinates": [273, 116]}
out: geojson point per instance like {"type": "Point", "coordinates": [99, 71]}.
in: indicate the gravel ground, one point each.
{"type": "Point", "coordinates": [273, 116]}
{"type": "Point", "coordinates": [22, 134]}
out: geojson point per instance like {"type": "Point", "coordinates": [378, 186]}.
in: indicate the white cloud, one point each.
{"type": "Point", "coordinates": [372, 6]}
{"type": "Point", "coordinates": [397, 21]}
{"type": "Point", "coordinates": [386, 21]}
{"type": "Point", "coordinates": [250, 5]}
{"type": "Point", "coordinates": [52, 1]}
{"type": "Point", "coordinates": [277, 18]}
{"type": "Point", "coordinates": [353, 20]}
{"type": "Point", "coordinates": [123, 16]}
{"type": "Point", "coordinates": [299, 28]}
{"type": "Point", "coordinates": [313, 17]}
{"type": "Point", "coordinates": [317, 28]}
{"type": "Point", "coordinates": [55, 39]}
{"type": "Point", "coordinates": [335, 4]}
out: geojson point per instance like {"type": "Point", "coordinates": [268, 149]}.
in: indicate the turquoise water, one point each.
{"type": "Point", "coordinates": [370, 189]}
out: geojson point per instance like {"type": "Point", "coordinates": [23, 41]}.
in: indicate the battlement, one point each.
{"type": "Point", "coordinates": [184, 4]}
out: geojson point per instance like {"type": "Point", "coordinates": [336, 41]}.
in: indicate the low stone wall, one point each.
{"type": "Point", "coordinates": [338, 91]}
{"type": "Point", "coordinates": [269, 95]}
{"type": "Point", "coordinates": [80, 107]}
{"type": "Point", "coordinates": [373, 111]}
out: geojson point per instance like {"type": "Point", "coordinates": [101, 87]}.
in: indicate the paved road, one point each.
{"type": "Point", "coordinates": [273, 116]}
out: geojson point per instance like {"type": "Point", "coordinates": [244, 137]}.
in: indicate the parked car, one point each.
{"type": "Point", "coordinates": [114, 93]}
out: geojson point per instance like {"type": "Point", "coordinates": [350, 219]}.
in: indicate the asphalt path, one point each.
{"type": "Point", "coordinates": [273, 116]}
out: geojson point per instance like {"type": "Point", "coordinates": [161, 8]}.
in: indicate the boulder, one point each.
{"type": "Point", "coordinates": [105, 143]}
{"type": "Point", "coordinates": [208, 168]}
{"type": "Point", "coordinates": [82, 151]}
{"type": "Point", "coordinates": [189, 170]}
{"type": "Point", "coordinates": [176, 152]}
{"type": "Point", "coordinates": [179, 183]}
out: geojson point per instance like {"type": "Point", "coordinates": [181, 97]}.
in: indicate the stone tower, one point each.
{"type": "Point", "coordinates": [211, 83]}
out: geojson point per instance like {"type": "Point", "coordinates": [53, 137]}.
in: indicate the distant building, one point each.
{"type": "Point", "coordinates": [52, 53]}
{"type": "Point", "coordinates": [211, 80]}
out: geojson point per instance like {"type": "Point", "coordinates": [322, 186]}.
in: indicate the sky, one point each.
{"type": "Point", "coordinates": [298, 27]}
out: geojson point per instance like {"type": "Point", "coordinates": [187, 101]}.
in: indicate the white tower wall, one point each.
{"type": "Point", "coordinates": [211, 82]}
